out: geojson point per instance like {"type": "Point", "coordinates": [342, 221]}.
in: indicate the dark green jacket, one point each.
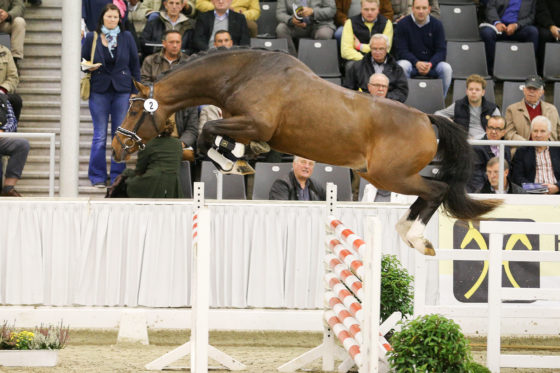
{"type": "Point", "coordinates": [157, 170]}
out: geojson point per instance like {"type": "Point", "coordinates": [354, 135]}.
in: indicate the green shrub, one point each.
{"type": "Point", "coordinates": [396, 288]}
{"type": "Point", "coordinates": [430, 343]}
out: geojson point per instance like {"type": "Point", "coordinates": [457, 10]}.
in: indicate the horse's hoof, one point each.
{"type": "Point", "coordinates": [240, 167]}
{"type": "Point", "coordinates": [259, 147]}
{"type": "Point", "coordinates": [428, 248]}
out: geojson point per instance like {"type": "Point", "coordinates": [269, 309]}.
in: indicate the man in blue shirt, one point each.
{"type": "Point", "coordinates": [513, 21]}
{"type": "Point", "coordinates": [421, 45]}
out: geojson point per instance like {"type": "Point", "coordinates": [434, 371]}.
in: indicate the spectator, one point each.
{"type": "Point", "coordinates": [491, 185]}
{"type": "Point", "coordinates": [298, 184]}
{"type": "Point", "coordinates": [358, 30]}
{"type": "Point", "coordinates": [313, 20]}
{"type": "Point", "coordinates": [495, 130]}
{"type": "Point", "coordinates": [249, 8]}
{"type": "Point", "coordinates": [421, 45]}
{"type": "Point", "coordinates": [538, 164]}
{"type": "Point", "coordinates": [157, 170]}
{"type": "Point", "coordinates": [547, 19]}
{"type": "Point", "coordinates": [170, 19]}
{"type": "Point", "coordinates": [222, 38]}
{"type": "Point", "coordinates": [185, 121]}
{"type": "Point", "coordinates": [91, 11]}
{"type": "Point", "coordinates": [402, 8]}
{"type": "Point", "coordinates": [520, 114]}
{"type": "Point", "coordinates": [154, 6]}
{"type": "Point", "coordinates": [12, 22]}
{"type": "Point", "coordinates": [378, 85]}
{"type": "Point", "coordinates": [511, 20]}
{"type": "Point", "coordinates": [473, 110]}
{"type": "Point", "coordinates": [378, 61]}
{"type": "Point", "coordinates": [221, 18]}
{"type": "Point", "coordinates": [111, 87]}
{"type": "Point", "coordinates": [137, 11]}
{"type": "Point", "coordinates": [349, 8]}
{"type": "Point", "coordinates": [16, 148]}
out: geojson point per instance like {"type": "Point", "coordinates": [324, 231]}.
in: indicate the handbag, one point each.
{"type": "Point", "coordinates": [85, 82]}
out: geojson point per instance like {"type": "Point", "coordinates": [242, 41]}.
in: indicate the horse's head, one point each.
{"type": "Point", "coordinates": [141, 124]}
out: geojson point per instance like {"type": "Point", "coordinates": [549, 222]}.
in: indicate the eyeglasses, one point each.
{"type": "Point", "coordinates": [378, 85]}
{"type": "Point", "coordinates": [494, 129]}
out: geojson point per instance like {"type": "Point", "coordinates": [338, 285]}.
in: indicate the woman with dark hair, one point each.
{"type": "Point", "coordinates": [111, 87]}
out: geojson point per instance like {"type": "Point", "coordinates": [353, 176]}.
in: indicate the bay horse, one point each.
{"type": "Point", "coordinates": [272, 97]}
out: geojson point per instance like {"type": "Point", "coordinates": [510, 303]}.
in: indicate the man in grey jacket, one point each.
{"type": "Point", "coordinates": [12, 22]}
{"type": "Point", "coordinates": [312, 19]}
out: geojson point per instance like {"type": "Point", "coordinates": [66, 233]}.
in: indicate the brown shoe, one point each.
{"type": "Point", "coordinates": [11, 193]}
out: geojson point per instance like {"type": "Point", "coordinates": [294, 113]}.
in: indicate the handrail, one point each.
{"type": "Point", "coordinates": [32, 135]}
{"type": "Point", "coordinates": [513, 143]}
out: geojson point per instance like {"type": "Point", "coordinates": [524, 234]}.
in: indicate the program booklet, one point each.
{"type": "Point", "coordinates": [86, 65]}
{"type": "Point", "coordinates": [534, 188]}
{"type": "Point", "coordinates": [486, 24]}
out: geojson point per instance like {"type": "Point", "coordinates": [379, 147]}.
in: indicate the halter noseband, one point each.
{"type": "Point", "coordinates": [150, 107]}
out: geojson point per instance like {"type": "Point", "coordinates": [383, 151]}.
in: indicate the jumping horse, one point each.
{"type": "Point", "coordinates": [272, 97]}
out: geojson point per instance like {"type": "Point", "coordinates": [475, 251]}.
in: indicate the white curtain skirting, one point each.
{"type": "Point", "coordinates": [137, 253]}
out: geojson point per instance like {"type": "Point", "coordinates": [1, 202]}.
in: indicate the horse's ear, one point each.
{"type": "Point", "coordinates": [143, 89]}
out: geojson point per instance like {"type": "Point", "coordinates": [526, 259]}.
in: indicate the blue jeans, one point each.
{"type": "Point", "coordinates": [442, 71]}
{"type": "Point", "coordinates": [101, 105]}
{"type": "Point", "coordinates": [489, 36]}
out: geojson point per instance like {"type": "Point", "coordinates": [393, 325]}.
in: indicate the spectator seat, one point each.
{"type": "Point", "coordinates": [425, 95]}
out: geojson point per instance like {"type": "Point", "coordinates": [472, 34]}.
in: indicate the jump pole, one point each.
{"type": "Point", "coordinates": [198, 346]}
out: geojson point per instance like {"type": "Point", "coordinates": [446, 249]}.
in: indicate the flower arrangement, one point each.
{"type": "Point", "coordinates": [50, 337]}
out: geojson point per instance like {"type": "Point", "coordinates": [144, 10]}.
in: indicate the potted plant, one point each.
{"type": "Point", "coordinates": [31, 348]}
{"type": "Point", "coordinates": [397, 293]}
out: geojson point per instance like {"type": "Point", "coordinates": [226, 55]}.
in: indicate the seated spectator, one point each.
{"type": "Point", "coordinates": [378, 61]}
{"type": "Point", "coordinates": [153, 7]}
{"type": "Point", "coordinates": [14, 147]}
{"type": "Point", "coordinates": [12, 22]}
{"type": "Point", "coordinates": [221, 18]}
{"type": "Point", "coordinates": [111, 87]}
{"type": "Point", "coordinates": [349, 8]}
{"type": "Point", "coordinates": [157, 170]}
{"type": "Point", "coordinates": [222, 38]}
{"type": "Point", "coordinates": [538, 164]}
{"type": "Point", "coordinates": [511, 21]}
{"type": "Point", "coordinates": [170, 19]}
{"type": "Point", "coordinates": [298, 184]}
{"type": "Point", "coordinates": [313, 20]}
{"type": "Point", "coordinates": [520, 114]}
{"type": "Point", "coordinates": [473, 110]}
{"type": "Point", "coordinates": [495, 130]}
{"type": "Point", "coordinates": [402, 8]}
{"type": "Point", "coordinates": [547, 19]}
{"type": "Point", "coordinates": [359, 29]}
{"type": "Point", "coordinates": [421, 45]}
{"type": "Point", "coordinates": [184, 122]}
{"type": "Point", "coordinates": [137, 14]}
{"type": "Point", "coordinates": [492, 183]}
{"type": "Point", "coordinates": [249, 8]}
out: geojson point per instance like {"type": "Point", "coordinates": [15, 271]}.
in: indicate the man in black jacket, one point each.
{"type": "Point", "coordinates": [298, 185]}
{"type": "Point", "coordinates": [492, 182]}
{"type": "Point", "coordinates": [221, 18]}
{"type": "Point", "coordinates": [473, 110]}
{"type": "Point", "coordinates": [378, 61]}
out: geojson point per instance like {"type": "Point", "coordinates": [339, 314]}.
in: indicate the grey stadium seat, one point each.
{"type": "Point", "coordinates": [321, 56]}
{"type": "Point", "coordinates": [272, 44]}
{"type": "Point", "coordinates": [267, 20]}
{"type": "Point", "coordinates": [425, 95]}
{"type": "Point", "coordinates": [265, 175]}
{"type": "Point", "coordinates": [467, 58]}
{"type": "Point", "coordinates": [323, 173]}
{"type": "Point", "coordinates": [551, 68]}
{"type": "Point", "coordinates": [233, 186]}
{"type": "Point", "coordinates": [460, 22]}
{"type": "Point", "coordinates": [514, 61]}
{"type": "Point", "coordinates": [513, 92]}
{"type": "Point", "coordinates": [185, 179]}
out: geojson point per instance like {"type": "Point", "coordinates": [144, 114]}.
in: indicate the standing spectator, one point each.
{"type": "Point", "coordinates": [12, 22]}
{"type": "Point", "coordinates": [539, 164]}
{"type": "Point", "coordinates": [298, 184]}
{"type": "Point", "coordinates": [495, 130]}
{"type": "Point", "coordinates": [314, 19]}
{"type": "Point", "coordinates": [378, 61]}
{"type": "Point", "coordinates": [473, 110]}
{"type": "Point", "coordinates": [492, 182]}
{"type": "Point", "coordinates": [512, 20]}
{"type": "Point", "coordinates": [520, 114]}
{"type": "Point", "coordinates": [111, 87]}
{"type": "Point", "coordinates": [170, 19]}
{"type": "Point", "coordinates": [402, 8]}
{"type": "Point", "coordinates": [221, 18]}
{"type": "Point", "coordinates": [92, 9]}
{"type": "Point", "coordinates": [547, 19]}
{"type": "Point", "coordinates": [358, 30]}
{"type": "Point", "coordinates": [249, 8]}
{"type": "Point", "coordinates": [16, 148]}
{"type": "Point", "coordinates": [421, 45]}
{"type": "Point", "coordinates": [349, 8]}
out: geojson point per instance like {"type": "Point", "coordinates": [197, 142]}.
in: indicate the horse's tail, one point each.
{"type": "Point", "coordinates": [456, 156]}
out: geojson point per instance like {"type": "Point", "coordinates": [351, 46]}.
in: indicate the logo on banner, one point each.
{"type": "Point", "coordinates": [470, 278]}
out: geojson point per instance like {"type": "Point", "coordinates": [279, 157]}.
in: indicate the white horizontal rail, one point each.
{"type": "Point", "coordinates": [513, 255]}
{"type": "Point", "coordinates": [508, 227]}
{"type": "Point", "coordinates": [529, 361]}
{"type": "Point", "coordinates": [51, 138]}
{"type": "Point", "coordinates": [531, 294]}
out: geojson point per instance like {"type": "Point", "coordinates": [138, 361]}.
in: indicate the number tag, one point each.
{"type": "Point", "coordinates": [150, 105]}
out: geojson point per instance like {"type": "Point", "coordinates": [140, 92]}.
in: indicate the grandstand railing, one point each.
{"type": "Point", "coordinates": [51, 138]}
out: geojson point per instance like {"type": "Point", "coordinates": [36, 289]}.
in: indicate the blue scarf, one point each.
{"type": "Point", "coordinates": [111, 36]}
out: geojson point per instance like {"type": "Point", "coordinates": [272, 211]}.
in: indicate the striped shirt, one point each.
{"type": "Point", "coordinates": [544, 174]}
{"type": "Point", "coordinates": [11, 120]}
